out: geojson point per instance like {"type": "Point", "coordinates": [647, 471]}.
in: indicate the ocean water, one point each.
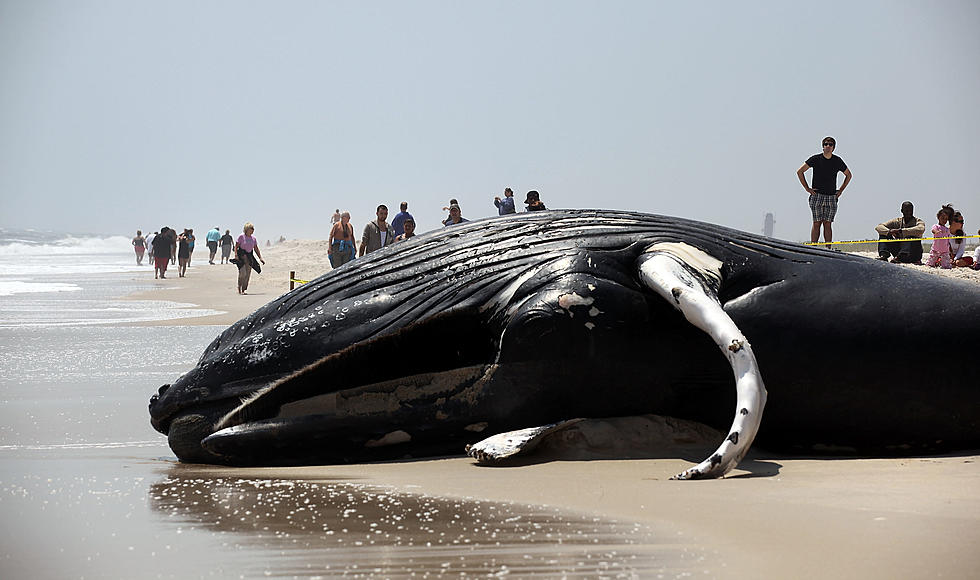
{"type": "Point", "coordinates": [89, 490]}
{"type": "Point", "coordinates": [54, 279]}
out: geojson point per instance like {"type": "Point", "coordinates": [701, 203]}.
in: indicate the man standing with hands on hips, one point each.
{"type": "Point", "coordinates": [824, 193]}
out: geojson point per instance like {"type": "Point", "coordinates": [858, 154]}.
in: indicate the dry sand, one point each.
{"type": "Point", "coordinates": [774, 516]}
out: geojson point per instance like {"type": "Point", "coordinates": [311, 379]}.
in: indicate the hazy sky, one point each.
{"type": "Point", "coordinates": [117, 115]}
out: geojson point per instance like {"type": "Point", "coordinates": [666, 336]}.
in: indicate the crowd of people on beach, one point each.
{"type": "Point", "coordinates": [166, 247]}
{"type": "Point", "coordinates": [949, 242]}
{"type": "Point", "coordinates": [900, 239]}
{"type": "Point", "coordinates": [378, 233]}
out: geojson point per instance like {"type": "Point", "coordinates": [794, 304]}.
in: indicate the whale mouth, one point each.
{"type": "Point", "coordinates": [373, 421]}
{"type": "Point", "coordinates": [184, 411]}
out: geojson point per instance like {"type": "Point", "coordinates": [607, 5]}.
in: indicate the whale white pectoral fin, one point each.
{"type": "Point", "coordinates": [687, 277]}
{"type": "Point", "coordinates": [512, 443]}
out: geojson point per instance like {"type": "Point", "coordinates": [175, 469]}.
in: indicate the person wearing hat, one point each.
{"type": "Point", "coordinates": [455, 216]}
{"type": "Point", "coordinates": [533, 202]}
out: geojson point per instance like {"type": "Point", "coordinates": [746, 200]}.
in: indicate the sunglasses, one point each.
{"type": "Point", "coordinates": [828, 144]}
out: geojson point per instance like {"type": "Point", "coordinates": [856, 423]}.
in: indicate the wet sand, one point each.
{"type": "Point", "coordinates": [773, 516]}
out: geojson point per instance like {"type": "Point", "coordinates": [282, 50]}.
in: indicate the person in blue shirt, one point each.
{"type": "Point", "coordinates": [398, 222]}
{"type": "Point", "coordinates": [213, 237]}
{"type": "Point", "coordinates": [505, 205]}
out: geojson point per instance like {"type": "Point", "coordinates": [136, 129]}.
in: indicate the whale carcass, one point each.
{"type": "Point", "coordinates": [490, 326]}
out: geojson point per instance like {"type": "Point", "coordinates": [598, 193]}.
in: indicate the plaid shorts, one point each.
{"type": "Point", "coordinates": [823, 207]}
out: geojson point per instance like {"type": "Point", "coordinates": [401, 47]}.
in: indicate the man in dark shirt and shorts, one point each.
{"type": "Point", "coordinates": [824, 193]}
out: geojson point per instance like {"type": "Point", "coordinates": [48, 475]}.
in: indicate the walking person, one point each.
{"type": "Point", "coordinates": [149, 245]}
{"type": "Point", "coordinates": [213, 237]}
{"type": "Point", "coordinates": [139, 245]}
{"type": "Point", "coordinates": [172, 236]}
{"type": "Point", "coordinates": [824, 192]}
{"type": "Point", "coordinates": [226, 244]}
{"type": "Point", "coordinates": [190, 244]}
{"type": "Point", "coordinates": [377, 233]}
{"type": "Point", "coordinates": [246, 250]}
{"type": "Point", "coordinates": [161, 253]}
{"type": "Point", "coordinates": [183, 253]}
{"type": "Point", "coordinates": [340, 244]}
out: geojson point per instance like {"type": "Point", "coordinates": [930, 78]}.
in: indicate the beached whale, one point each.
{"type": "Point", "coordinates": [506, 323]}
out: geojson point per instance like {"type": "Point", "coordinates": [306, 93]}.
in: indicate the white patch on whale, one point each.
{"type": "Point", "coordinates": [668, 273]}
{"type": "Point", "coordinates": [393, 438]}
{"type": "Point", "coordinates": [566, 301]}
{"type": "Point", "coordinates": [260, 354]}
{"type": "Point", "coordinates": [704, 264]}
{"type": "Point", "coordinates": [752, 294]}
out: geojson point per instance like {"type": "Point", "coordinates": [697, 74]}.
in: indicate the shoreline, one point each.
{"type": "Point", "coordinates": [782, 516]}
{"type": "Point", "coordinates": [788, 517]}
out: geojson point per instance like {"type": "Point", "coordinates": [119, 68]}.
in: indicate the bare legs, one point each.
{"type": "Point", "coordinates": [828, 232]}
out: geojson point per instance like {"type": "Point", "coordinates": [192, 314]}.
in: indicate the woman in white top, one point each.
{"type": "Point", "coordinates": [958, 245]}
{"type": "Point", "coordinates": [976, 256]}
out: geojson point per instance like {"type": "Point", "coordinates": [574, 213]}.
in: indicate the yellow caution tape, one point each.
{"type": "Point", "coordinates": [888, 240]}
{"type": "Point", "coordinates": [300, 281]}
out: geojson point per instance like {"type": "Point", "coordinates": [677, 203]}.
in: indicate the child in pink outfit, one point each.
{"type": "Point", "coordinates": [939, 255]}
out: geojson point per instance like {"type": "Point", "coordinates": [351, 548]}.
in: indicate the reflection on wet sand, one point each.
{"type": "Point", "coordinates": [283, 527]}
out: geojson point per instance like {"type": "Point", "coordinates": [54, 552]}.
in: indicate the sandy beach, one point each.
{"type": "Point", "coordinates": [774, 516]}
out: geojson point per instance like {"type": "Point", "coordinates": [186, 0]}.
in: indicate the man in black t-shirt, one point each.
{"type": "Point", "coordinates": [824, 193]}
